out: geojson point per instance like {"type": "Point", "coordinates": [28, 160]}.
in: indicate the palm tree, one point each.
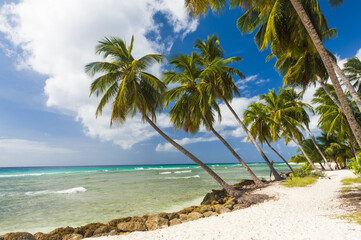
{"type": "Point", "coordinates": [284, 120]}
{"type": "Point", "coordinates": [301, 114]}
{"type": "Point", "coordinates": [312, 152]}
{"type": "Point", "coordinates": [276, 17]}
{"type": "Point", "coordinates": [335, 149]}
{"type": "Point", "coordinates": [131, 90]}
{"type": "Point", "coordinates": [260, 128]}
{"type": "Point", "coordinates": [218, 75]}
{"type": "Point", "coordinates": [352, 69]}
{"type": "Point", "coordinates": [195, 101]}
{"type": "Point", "coordinates": [332, 119]}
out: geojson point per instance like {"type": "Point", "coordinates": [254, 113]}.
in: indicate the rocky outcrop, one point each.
{"type": "Point", "coordinates": [18, 236]}
{"type": "Point", "coordinates": [157, 221]}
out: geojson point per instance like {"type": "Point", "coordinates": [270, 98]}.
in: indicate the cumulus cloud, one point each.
{"type": "Point", "coordinates": [57, 39]}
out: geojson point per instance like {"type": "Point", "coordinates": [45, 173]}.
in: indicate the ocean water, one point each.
{"type": "Point", "coordinates": [44, 198]}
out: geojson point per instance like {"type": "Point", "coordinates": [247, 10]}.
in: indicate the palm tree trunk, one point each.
{"type": "Point", "coordinates": [328, 92]}
{"type": "Point", "coordinates": [328, 65]}
{"type": "Point", "coordinates": [318, 149]}
{"type": "Point", "coordinates": [301, 148]}
{"type": "Point", "coordinates": [322, 167]}
{"type": "Point", "coordinates": [240, 160]}
{"type": "Point", "coordinates": [284, 160]}
{"type": "Point", "coordinates": [273, 170]}
{"type": "Point", "coordinates": [353, 149]}
{"type": "Point", "coordinates": [231, 191]}
{"type": "Point", "coordinates": [347, 83]}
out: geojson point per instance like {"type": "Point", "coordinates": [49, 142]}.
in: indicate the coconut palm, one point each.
{"type": "Point", "coordinates": [195, 101]}
{"type": "Point", "coordinates": [311, 151]}
{"type": "Point", "coordinates": [352, 69]}
{"type": "Point", "coordinates": [273, 18]}
{"type": "Point", "coordinates": [284, 120]}
{"type": "Point", "coordinates": [125, 84]}
{"type": "Point", "coordinates": [332, 119]}
{"type": "Point", "coordinates": [218, 75]}
{"type": "Point", "coordinates": [301, 114]}
{"type": "Point", "coordinates": [260, 128]}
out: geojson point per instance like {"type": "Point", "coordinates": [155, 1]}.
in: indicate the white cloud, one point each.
{"type": "Point", "coordinates": [167, 147]}
{"type": "Point", "coordinates": [25, 146]}
{"type": "Point", "coordinates": [57, 39]}
{"type": "Point", "coordinates": [253, 79]}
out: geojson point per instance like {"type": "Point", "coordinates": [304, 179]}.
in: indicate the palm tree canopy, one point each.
{"type": "Point", "coordinates": [216, 70]}
{"type": "Point", "coordinates": [256, 116]}
{"type": "Point", "coordinates": [124, 82]}
{"type": "Point", "coordinates": [194, 101]}
{"type": "Point", "coordinates": [352, 69]}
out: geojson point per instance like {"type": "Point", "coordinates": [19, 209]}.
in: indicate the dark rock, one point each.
{"type": "Point", "coordinates": [131, 226]}
{"type": "Point", "coordinates": [174, 221]}
{"type": "Point", "coordinates": [72, 236]}
{"type": "Point", "coordinates": [62, 231]}
{"type": "Point", "coordinates": [157, 221]}
{"type": "Point", "coordinates": [251, 199]}
{"type": "Point", "coordinates": [172, 216]}
{"type": "Point", "coordinates": [229, 204]}
{"type": "Point", "coordinates": [2, 237]}
{"type": "Point", "coordinates": [194, 216]}
{"type": "Point", "coordinates": [18, 236]}
{"type": "Point", "coordinates": [204, 208]}
{"type": "Point", "coordinates": [88, 230]}
{"type": "Point", "coordinates": [187, 210]}
{"type": "Point", "coordinates": [103, 229]}
{"type": "Point", "coordinates": [138, 219]}
{"type": "Point", "coordinates": [114, 222]}
{"type": "Point", "coordinates": [40, 236]}
{"type": "Point", "coordinates": [215, 195]}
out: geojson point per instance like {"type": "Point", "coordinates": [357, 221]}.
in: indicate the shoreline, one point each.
{"type": "Point", "coordinates": [298, 213]}
{"type": "Point", "coordinates": [188, 223]}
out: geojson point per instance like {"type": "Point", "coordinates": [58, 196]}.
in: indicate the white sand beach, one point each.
{"type": "Point", "coordinates": [294, 213]}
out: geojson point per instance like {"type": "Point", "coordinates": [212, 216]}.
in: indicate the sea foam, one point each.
{"type": "Point", "coordinates": [185, 171]}
{"type": "Point", "coordinates": [195, 176]}
{"type": "Point", "coordinates": [165, 173]}
{"type": "Point", "coordinates": [67, 191]}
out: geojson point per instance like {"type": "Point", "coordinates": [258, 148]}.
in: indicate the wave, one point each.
{"type": "Point", "coordinates": [195, 176]}
{"type": "Point", "coordinates": [185, 171]}
{"type": "Point", "coordinates": [21, 175]}
{"type": "Point", "coordinates": [165, 172]}
{"type": "Point", "coordinates": [66, 191]}
{"type": "Point", "coordinates": [31, 174]}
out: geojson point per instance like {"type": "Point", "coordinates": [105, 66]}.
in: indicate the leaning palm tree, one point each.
{"type": "Point", "coordinates": [311, 151]}
{"type": "Point", "coordinates": [352, 69]}
{"type": "Point", "coordinates": [283, 119]}
{"type": "Point", "coordinates": [332, 120]}
{"type": "Point", "coordinates": [273, 19]}
{"type": "Point", "coordinates": [131, 90]}
{"type": "Point", "coordinates": [194, 101]}
{"type": "Point", "coordinates": [301, 114]}
{"type": "Point", "coordinates": [218, 75]}
{"type": "Point", "coordinates": [260, 128]}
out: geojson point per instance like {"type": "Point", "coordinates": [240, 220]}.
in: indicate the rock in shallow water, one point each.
{"type": "Point", "coordinates": [18, 236]}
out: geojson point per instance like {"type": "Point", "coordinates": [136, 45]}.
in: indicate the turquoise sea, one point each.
{"type": "Point", "coordinates": [36, 199]}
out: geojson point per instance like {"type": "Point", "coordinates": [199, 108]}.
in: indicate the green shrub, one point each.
{"type": "Point", "coordinates": [299, 181]}
{"type": "Point", "coordinates": [356, 165]}
{"type": "Point", "coordinates": [305, 171]}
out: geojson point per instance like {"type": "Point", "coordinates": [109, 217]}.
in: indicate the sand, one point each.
{"type": "Point", "coordinates": [295, 213]}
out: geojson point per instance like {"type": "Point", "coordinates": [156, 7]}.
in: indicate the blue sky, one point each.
{"type": "Point", "coordinates": [47, 117]}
